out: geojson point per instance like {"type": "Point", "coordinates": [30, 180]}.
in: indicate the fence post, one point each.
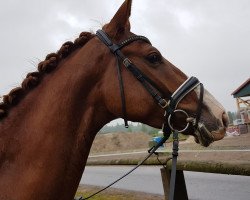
{"type": "Point", "coordinates": [180, 185]}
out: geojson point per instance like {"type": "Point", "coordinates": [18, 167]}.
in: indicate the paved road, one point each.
{"type": "Point", "coordinates": [200, 186]}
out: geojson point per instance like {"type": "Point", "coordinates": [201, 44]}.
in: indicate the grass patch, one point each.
{"type": "Point", "coordinates": [181, 136]}
{"type": "Point", "coordinates": [114, 194]}
{"type": "Point", "coordinates": [106, 196]}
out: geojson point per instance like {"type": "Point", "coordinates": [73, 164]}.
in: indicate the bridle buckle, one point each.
{"type": "Point", "coordinates": [127, 62]}
{"type": "Point", "coordinates": [163, 103]}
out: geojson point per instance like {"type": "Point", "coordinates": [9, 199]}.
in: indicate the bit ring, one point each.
{"type": "Point", "coordinates": [170, 125]}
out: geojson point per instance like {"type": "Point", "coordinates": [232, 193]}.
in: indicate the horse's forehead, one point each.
{"type": "Point", "coordinates": [134, 38]}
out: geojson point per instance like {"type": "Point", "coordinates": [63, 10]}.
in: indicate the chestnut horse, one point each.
{"type": "Point", "coordinates": [49, 123]}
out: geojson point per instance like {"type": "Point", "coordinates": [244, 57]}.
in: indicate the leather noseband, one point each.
{"type": "Point", "coordinates": [170, 105]}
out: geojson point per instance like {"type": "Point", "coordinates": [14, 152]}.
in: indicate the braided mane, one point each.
{"type": "Point", "coordinates": [34, 78]}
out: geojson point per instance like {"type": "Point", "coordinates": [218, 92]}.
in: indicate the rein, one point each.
{"type": "Point", "coordinates": [170, 105]}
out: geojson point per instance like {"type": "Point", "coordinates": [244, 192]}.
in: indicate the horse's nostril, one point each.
{"type": "Point", "coordinates": [225, 119]}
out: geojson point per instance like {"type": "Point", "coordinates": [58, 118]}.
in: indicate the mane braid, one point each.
{"type": "Point", "coordinates": [34, 78]}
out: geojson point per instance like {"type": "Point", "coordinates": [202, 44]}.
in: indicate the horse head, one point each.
{"type": "Point", "coordinates": [164, 75]}
{"type": "Point", "coordinates": [52, 119]}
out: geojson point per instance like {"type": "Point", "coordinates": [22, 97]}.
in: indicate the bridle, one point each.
{"type": "Point", "coordinates": [169, 105]}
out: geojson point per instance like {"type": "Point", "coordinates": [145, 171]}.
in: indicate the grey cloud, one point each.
{"type": "Point", "coordinates": [214, 46]}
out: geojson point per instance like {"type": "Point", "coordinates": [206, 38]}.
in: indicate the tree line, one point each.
{"type": "Point", "coordinates": [139, 127]}
{"type": "Point", "coordinates": [133, 127]}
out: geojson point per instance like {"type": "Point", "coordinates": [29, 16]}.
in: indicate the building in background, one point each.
{"type": "Point", "coordinates": [242, 96]}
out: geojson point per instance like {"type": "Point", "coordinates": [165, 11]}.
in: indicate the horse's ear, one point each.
{"type": "Point", "coordinates": [120, 22]}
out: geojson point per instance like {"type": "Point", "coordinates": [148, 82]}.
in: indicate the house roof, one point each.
{"type": "Point", "coordinates": [243, 90]}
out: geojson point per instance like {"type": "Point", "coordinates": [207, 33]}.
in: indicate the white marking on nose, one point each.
{"type": "Point", "coordinates": [215, 108]}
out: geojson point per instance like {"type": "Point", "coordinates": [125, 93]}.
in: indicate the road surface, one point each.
{"type": "Point", "coordinates": [200, 186]}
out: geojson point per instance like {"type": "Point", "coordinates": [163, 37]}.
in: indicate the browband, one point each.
{"type": "Point", "coordinates": [173, 100]}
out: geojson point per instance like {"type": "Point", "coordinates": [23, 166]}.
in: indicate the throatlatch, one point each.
{"type": "Point", "coordinates": [170, 105]}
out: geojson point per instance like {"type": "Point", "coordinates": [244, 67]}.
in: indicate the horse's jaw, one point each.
{"type": "Point", "coordinates": [204, 137]}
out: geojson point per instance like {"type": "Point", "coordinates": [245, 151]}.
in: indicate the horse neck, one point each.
{"type": "Point", "coordinates": [51, 132]}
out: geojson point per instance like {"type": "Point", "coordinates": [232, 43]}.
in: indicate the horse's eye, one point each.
{"type": "Point", "coordinates": [154, 58]}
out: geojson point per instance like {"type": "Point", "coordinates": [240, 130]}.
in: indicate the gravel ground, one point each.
{"type": "Point", "coordinates": [241, 142]}
{"type": "Point", "coordinates": [200, 153]}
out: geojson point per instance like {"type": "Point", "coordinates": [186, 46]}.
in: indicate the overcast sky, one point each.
{"type": "Point", "coordinates": [209, 39]}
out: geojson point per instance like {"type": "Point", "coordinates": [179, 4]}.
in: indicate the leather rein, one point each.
{"type": "Point", "coordinates": [170, 105]}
